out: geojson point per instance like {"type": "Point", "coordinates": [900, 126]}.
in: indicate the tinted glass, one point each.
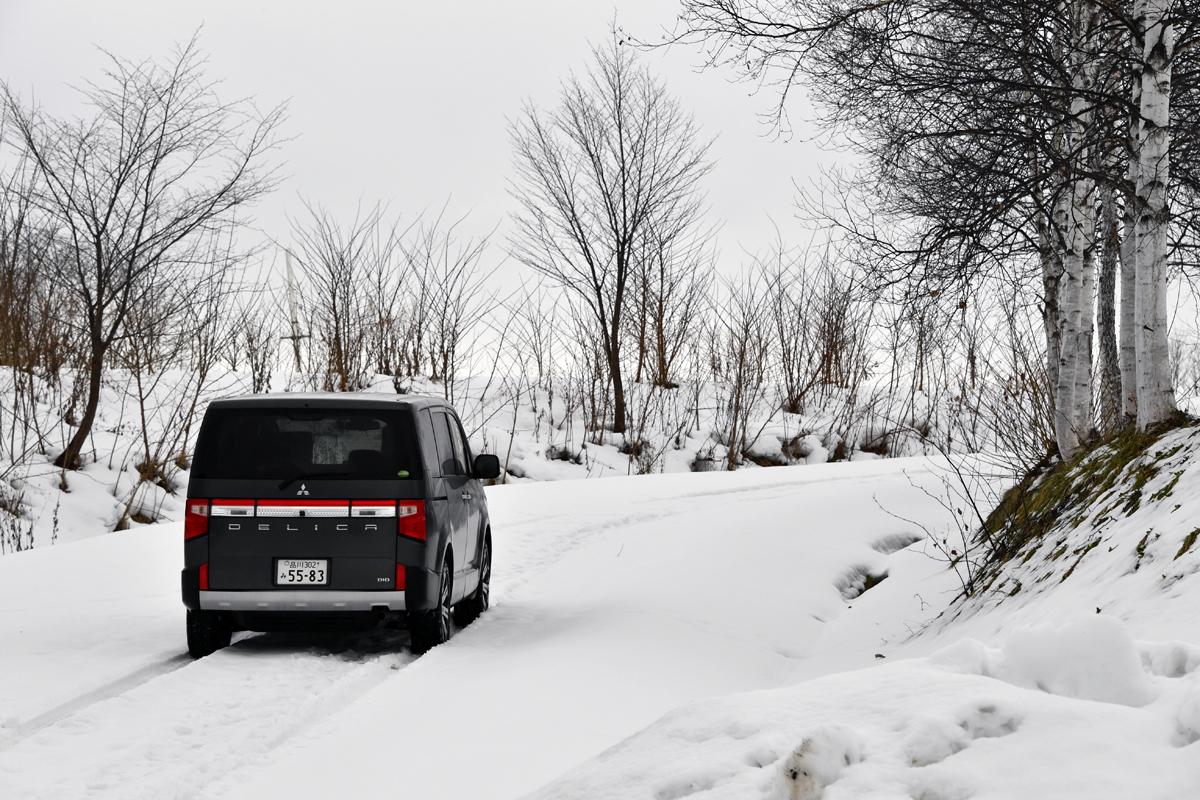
{"type": "Point", "coordinates": [460, 446]}
{"type": "Point", "coordinates": [449, 456]}
{"type": "Point", "coordinates": [282, 444]}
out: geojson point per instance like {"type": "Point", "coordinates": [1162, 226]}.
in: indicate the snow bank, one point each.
{"type": "Point", "coordinates": [939, 727]}
{"type": "Point", "coordinates": [1091, 659]}
{"type": "Point", "coordinates": [1075, 674]}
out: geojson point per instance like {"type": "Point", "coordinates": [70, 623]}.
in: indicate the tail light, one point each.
{"type": "Point", "coordinates": [412, 518]}
{"type": "Point", "coordinates": [401, 578]}
{"type": "Point", "coordinates": [204, 577]}
{"type": "Point", "coordinates": [195, 519]}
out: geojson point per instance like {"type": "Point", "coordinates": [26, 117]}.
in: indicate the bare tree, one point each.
{"type": "Point", "coordinates": [617, 160]}
{"type": "Point", "coordinates": [671, 282]}
{"type": "Point", "coordinates": [137, 190]}
{"type": "Point", "coordinates": [339, 264]}
{"type": "Point", "coordinates": [742, 333]}
{"type": "Point", "coordinates": [447, 265]}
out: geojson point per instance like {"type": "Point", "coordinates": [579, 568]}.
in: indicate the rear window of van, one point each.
{"type": "Point", "coordinates": [287, 444]}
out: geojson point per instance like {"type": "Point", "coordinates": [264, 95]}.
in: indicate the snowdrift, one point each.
{"type": "Point", "coordinates": [1078, 711]}
{"type": "Point", "coordinates": [1069, 676]}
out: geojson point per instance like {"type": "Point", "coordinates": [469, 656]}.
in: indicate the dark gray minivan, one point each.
{"type": "Point", "coordinates": [307, 509]}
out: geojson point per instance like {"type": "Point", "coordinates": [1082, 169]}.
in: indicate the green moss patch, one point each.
{"type": "Point", "coordinates": [1104, 484]}
{"type": "Point", "coordinates": [1189, 542]}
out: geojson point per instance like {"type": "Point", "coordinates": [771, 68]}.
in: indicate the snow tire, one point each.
{"type": "Point", "coordinates": [207, 632]}
{"type": "Point", "coordinates": [431, 627]}
{"type": "Point", "coordinates": [472, 606]}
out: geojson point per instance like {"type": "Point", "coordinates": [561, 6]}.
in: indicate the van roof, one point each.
{"type": "Point", "coordinates": [340, 400]}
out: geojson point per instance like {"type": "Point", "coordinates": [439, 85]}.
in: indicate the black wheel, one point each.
{"type": "Point", "coordinates": [207, 632]}
{"type": "Point", "coordinates": [431, 627]}
{"type": "Point", "coordinates": [477, 602]}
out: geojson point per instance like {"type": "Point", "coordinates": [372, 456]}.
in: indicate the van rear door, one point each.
{"type": "Point", "coordinates": [304, 497]}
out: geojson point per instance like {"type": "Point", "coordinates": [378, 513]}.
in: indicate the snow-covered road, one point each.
{"type": "Point", "coordinates": [616, 601]}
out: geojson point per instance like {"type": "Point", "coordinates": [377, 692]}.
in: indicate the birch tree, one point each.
{"type": "Point", "coordinates": [987, 127]}
{"type": "Point", "coordinates": [1075, 224]}
{"type": "Point", "coordinates": [1155, 393]}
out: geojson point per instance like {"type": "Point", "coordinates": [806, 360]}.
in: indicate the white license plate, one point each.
{"type": "Point", "coordinates": [302, 572]}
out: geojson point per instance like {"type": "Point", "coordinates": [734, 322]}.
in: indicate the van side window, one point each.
{"type": "Point", "coordinates": [449, 452]}
{"type": "Point", "coordinates": [460, 445]}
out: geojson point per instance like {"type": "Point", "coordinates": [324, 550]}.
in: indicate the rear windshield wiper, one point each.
{"type": "Point", "coordinates": [310, 475]}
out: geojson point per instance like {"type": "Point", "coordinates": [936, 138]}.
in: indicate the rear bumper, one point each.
{"type": "Point", "coordinates": [421, 592]}
{"type": "Point", "coordinates": [301, 600]}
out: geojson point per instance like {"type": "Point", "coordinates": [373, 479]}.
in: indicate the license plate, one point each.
{"type": "Point", "coordinates": [302, 572]}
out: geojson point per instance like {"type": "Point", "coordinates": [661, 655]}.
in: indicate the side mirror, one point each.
{"type": "Point", "coordinates": [487, 466]}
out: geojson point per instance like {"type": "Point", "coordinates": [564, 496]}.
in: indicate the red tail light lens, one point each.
{"type": "Point", "coordinates": [401, 578]}
{"type": "Point", "coordinates": [204, 577]}
{"type": "Point", "coordinates": [195, 519]}
{"type": "Point", "coordinates": [412, 518]}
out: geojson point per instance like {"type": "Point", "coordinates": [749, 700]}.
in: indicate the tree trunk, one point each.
{"type": "Point", "coordinates": [1052, 269]}
{"type": "Point", "coordinates": [614, 371]}
{"type": "Point", "coordinates": [1128, 287]}
{"type": "Point", "coordinates": [1110, 368]}
{"type": "Point", "coordinates": [1069, 320]}
{"type": "Point", "coordinates": [1156, 396]}
{"type": "Point", "coordinates": [69, 458]}
{"type": "Point", "coordinates": [1084, 415]}
{"type": "Point", "coordinates": [1075, 223]}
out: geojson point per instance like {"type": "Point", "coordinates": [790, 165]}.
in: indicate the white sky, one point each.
{"type": "Point", "coordinates": [407, 103]}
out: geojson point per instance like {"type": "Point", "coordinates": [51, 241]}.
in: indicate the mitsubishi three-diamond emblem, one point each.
{"type": "Point", "coordinates": [303, 490]}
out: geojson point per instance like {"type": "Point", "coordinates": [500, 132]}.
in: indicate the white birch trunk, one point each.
{"type": "Point", "coordinates": [1075, 221]}
{"type": "Point", "coordinates": [1155, 393]}
{"type": "Point", "coordinates": [1068, 328]}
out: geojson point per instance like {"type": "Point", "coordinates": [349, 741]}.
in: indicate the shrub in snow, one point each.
{"type": "Point", "coordinates": [818, 762]}
{"type": "Point", "coordinates": [806, 448]}
{"type": "Point", "coordinates": [1091, 659]}
{"type": "Point", "coordinates": [767, 450]}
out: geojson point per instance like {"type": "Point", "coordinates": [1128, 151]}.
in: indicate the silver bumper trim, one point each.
{"type": "Point", "coordinates": [300, 600]}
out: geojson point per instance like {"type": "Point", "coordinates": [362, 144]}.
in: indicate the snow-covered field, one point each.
{"type": "Point", "coordinates": [659, 637]}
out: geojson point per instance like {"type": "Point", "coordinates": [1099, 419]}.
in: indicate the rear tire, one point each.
{"type": "Point", "coordinates": [431, 627]}
{"type": "Point", "coordinates": [207, 632]}
{"type": "Point", "coordinates": [471, 607]}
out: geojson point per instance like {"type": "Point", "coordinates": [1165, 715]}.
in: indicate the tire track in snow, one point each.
{"type": "Point", "coordinates": [113, 688]}
{"type": "Point", "coordinates": [174, 734]}
{"type": "Point", "coordinates": [535, 554]}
